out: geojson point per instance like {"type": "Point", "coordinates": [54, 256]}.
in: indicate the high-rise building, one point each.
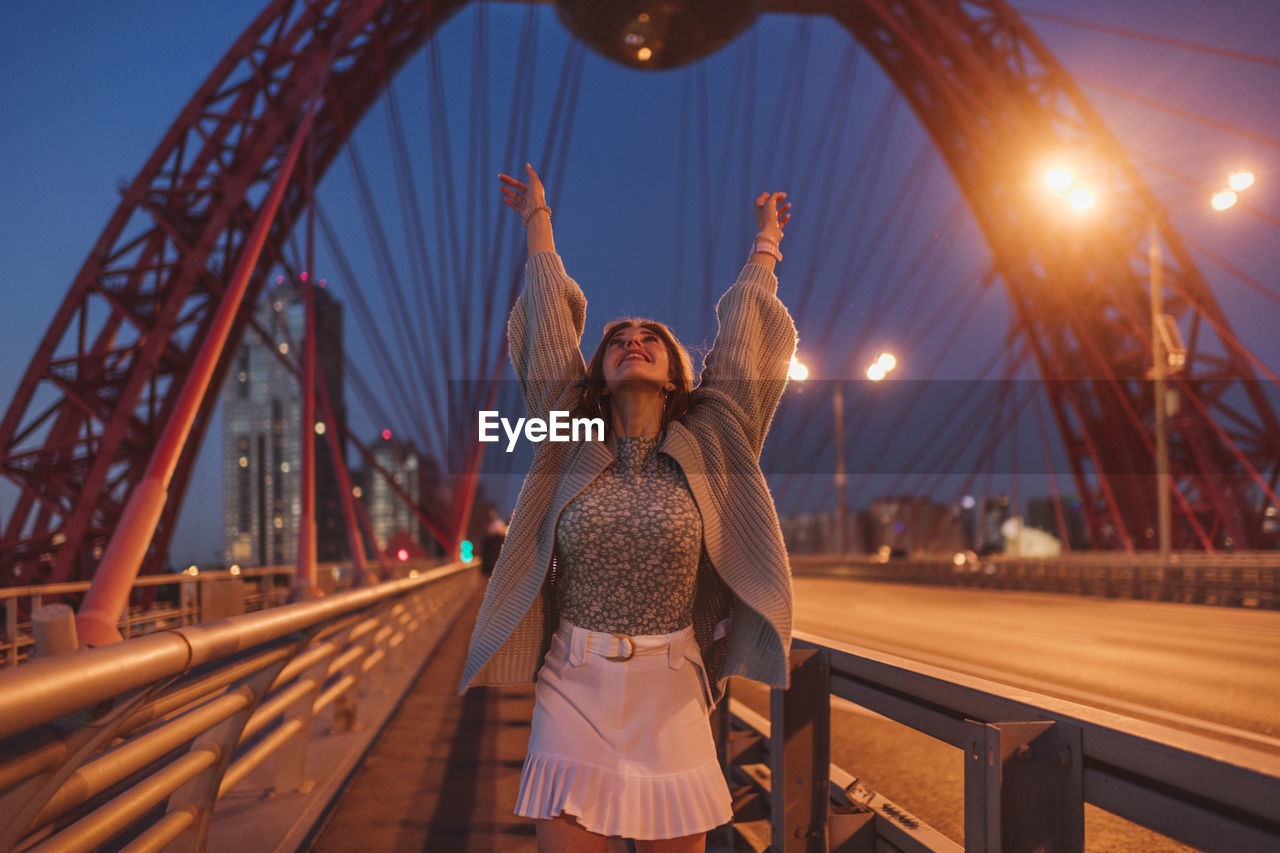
{"type": "Point", "coordinates": [262, 435]}
{"type": "Point", "coordinates": [910, 526]}
{"type": "Point", "coordinates": [395, 524]}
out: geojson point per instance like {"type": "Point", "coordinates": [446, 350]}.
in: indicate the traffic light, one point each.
{"type": "Point", "coordinates": [466, 551]}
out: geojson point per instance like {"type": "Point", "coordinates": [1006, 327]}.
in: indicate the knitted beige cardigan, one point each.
{"type": "Point", "coordinates": [743, 603]}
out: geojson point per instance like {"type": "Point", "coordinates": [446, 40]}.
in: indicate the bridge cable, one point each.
{"type": "Point", "coordinates": [872, 152]}
{"type": "Point", "coordinates": [913, 336]}
{"type": "Point", "coordinates": [391, 287]}
{"type": "Point", "coordinates": [400, 398]}
{"type": "Point", "coordinates": [521, 112]}
{"type": "Point", "coordinates": [938, 251]}
{"type": "Point", "coordinates": [682, 179]}
{"type": "Point", "coordinates": [947, 453]}
{"type": "Point", "coordinates": [1180, 112]}
{"type": "Point", "coordinates": [420, 266]}
{"type": "Point", "coordinates": [1149, 37]}
{"type": "Point", "coordinates": [834, 128]}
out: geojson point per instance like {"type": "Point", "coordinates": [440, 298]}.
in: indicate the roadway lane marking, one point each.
{"type": "Point", "coordinates": [1256, 630]}
{"type": "Point", "coordinates": [1084, 697]}
{"type": "Point", "coordinates": [1059, 636]}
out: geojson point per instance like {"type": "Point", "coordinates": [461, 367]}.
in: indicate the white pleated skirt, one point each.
{"type": "Point", "coordinates": [624, 746]}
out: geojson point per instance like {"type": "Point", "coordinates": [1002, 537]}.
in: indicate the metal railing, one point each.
{"type": "Point", "coordinates": [1031, 763]}
{"type": "Point", "coordinates": [158, 603]}
{"type": "Point", "coordinates": [130, 746]}
{"type": "Point", "coordinates": [1244, 579]}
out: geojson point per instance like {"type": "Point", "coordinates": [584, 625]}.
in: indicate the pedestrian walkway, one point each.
{"type": "Point", "coordinates": [443, 774]}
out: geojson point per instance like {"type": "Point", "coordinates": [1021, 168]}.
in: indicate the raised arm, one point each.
{"type": "Point", "coordinates": [745, 371]}
{"type": "Point", "coordinates": [546, 323]}
{"type": "Point", "coordinates": [530, 201]}
{"type": "Point", "coordinates": [770, 220]}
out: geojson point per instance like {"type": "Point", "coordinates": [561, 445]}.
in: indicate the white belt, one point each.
{"type": "Point", "coordinates": [622, 647]}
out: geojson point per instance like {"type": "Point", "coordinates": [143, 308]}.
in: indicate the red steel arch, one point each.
{"type": "Point", "coordinates": [996, 102]}
{"type": "Point", "coordinates": [77, 436]}
{"type": "Point", "coordinates": [78, 433]}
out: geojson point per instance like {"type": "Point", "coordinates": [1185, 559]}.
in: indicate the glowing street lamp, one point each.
{"type": "Point", "coordinates": [797, 371]}
{"type": "Point", "coordinates": [1167, 352]}
{"type": "Point", "coordinates": [1080, 199]}
{"type": "Point", "coordinates": [1237, 182]}
{"type": "Point", "coordinates": [880, 368]}
{"type": "Point", "coordinates": [1058, 179]}
{"type": "Point", "coordinates": [1224, 199]}
{"type": "Point", "coordinates": [1063, 182]}
{"type": "Point", "coordinates": [884, 363]}
{"type": "Point", "coordinates": [1240, 181]}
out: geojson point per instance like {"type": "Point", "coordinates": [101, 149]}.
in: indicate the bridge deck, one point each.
{"type": "Point", "coordinates": [443, 773]}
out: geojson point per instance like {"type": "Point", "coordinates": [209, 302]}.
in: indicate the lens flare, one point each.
{"type": "Point", "coordinates": [1080, 199]}
{"type": "Point", "coordinates": [1223, 199]}
{"type": "Point", "coordinates": [1058, 179]}
{"type": "Point", "coordinates": [1240, 181]}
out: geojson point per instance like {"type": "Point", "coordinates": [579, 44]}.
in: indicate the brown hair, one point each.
{"type": "Point", "coordinates": [595, 397]}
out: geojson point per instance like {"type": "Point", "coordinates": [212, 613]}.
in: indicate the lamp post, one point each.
{"type": "Point", "coordinates": [1167, 352]}
{"type": "Point", "coordinates": [1167, 357]}
{"type": "Point", "coordinates": [877, 371]}
{"type": "Point", "coordinates": [1159, 368]}
{"type": "Point", "coordinates": [841, 479]}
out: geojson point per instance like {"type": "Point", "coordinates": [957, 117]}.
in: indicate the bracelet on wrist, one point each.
{"type": "Point", "coordinates": [766, 246]}
{"type": "Point", "coordinates": [528, 214]}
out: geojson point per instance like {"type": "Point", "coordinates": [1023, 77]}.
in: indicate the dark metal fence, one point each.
{"type": "Point", "coordinates": [1031, 763]}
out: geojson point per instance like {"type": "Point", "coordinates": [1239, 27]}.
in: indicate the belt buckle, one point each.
{"type": "Point", "coordinates": [631, 648]}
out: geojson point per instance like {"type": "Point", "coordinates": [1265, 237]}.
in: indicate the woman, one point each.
{"type": "Point", "coordinates": [638, 572]}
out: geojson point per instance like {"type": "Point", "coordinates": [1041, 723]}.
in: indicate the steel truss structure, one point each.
{"type": "Point", "coordinates": [78, 433]}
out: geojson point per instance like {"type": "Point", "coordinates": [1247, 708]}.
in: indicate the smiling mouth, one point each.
{"type": "Point", "coordinates": [633, 356]}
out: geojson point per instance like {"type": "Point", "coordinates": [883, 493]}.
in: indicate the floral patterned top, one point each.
{"type": "Point", "coordinates": [627, 547]}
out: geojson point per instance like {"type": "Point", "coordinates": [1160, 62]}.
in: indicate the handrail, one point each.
{"type": "Point", "coordinates": [255, 589]}
{"type": "Point", "coordinates": [1242, 579]}
{"type": "Point", "coordinates": [69, 587]}
{"type": "Point", "coordinates": [93, 740]}
{"type": "Point", "coordinates": [1032, 761]}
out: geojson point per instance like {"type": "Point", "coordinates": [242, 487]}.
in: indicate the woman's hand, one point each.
{"type": "Point", "coordinates": [770, 218]}
{"type": "Point", "coordinates": [521, 197]}
{"type": "Point", "coordinates": [530, 201]}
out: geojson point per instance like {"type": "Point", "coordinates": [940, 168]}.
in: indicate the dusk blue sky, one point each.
{"type": "Point", "coordinates": [92, 88]}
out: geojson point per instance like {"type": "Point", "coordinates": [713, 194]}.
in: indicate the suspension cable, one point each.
{"type": "Point", "coordinates": [1180, 112]}
{"type": "Point", "coordinates": [1149, 37]}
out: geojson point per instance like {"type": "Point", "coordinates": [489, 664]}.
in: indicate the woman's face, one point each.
{"type": "Point", "coordinates": [634, 356]}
